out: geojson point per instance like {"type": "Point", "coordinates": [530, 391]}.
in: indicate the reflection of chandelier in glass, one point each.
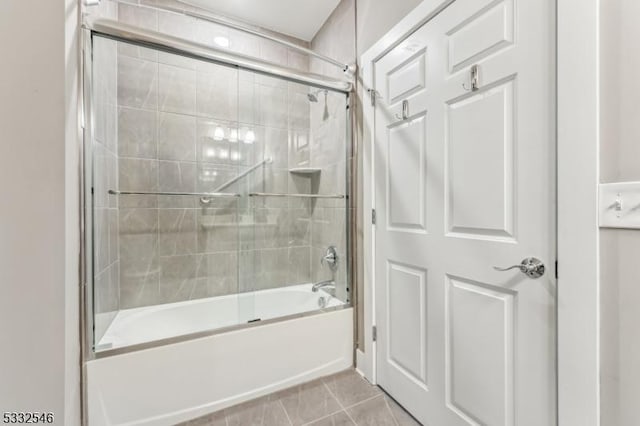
{"type": "Point", "coordinates": [250, 137]}
{"type": "Point", "coordinates": [218, 135]}
{"type": "Point", "coordinates": [233, 135]}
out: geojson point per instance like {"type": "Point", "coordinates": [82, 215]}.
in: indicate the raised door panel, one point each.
{"type": "Point", "coordinates": [480, 168]}
{"type": "Point", "coordinates": [406, 176]}
{"type": "Point", "coordinates": [406, 298]}
{"type": "Point", "coordinates": [407, 78]}
{"type": "Point", "coordinates": [487, 31]}
{"type": "Point", "coordinates": [480, 336]}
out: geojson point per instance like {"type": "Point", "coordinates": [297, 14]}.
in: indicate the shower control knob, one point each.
{"type": "Point", "coordinates": [330, 258]}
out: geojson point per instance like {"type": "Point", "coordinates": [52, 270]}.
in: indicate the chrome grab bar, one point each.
{"type": "Point", "coordinates": [243, 174]}
{"type": "Point", "coordinates": [271, 194]}
{"type": "Point", "coordinates": [225, 194]}
{"type": "Point", "coordinates": [187, 194]}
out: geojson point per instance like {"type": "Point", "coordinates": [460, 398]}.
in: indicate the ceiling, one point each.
{"type": "Point", "coordinates": [300, 19]}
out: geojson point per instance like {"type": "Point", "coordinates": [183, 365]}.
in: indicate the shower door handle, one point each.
{"type": "Point", "coordinates": [531, 267]}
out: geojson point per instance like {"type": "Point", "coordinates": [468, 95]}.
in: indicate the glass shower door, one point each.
{"type": "Point", "coordinates": [216, 193]}
{"type": "Point", "coordinates": [296, 205]}
{"type": "Point", "coordinates": [167, 165]}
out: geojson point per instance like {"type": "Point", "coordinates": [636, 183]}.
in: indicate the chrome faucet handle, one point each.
{"type": "Point", "coordinates": [330, 258]}
{"type": "Point", "coordinates": [323, 284]}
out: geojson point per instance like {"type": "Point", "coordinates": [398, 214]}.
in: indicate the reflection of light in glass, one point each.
{"type": "Point", "coordinates": [250, 137]}
{"type": "Point", "coordinates": [224, 154]}
{"type": "Point", "coordinates": [235, 156]}
{"type": "Point", "coordinates": [210, 152]}
{"type": "Point", "coordinates": [233, 135]}
{"type": "Point", "coordinates": [209, 174]}
{"type": "Point", "coordinates": [218, 134]}
{"type": "Point", "coordinates": [221, 41]}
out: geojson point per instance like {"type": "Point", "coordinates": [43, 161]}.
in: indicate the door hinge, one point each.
{"type": "Point", "coordinates": [373, 216]}
{"type": "Point", "coordinates": [374, 333]}
{"type": "Point", "coordinates": [556, 269]}
{"type": "Point", "coordinates": [372, 96]}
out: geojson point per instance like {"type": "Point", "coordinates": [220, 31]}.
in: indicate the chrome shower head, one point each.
{"type": "Point", "coordinates": [313, 96]}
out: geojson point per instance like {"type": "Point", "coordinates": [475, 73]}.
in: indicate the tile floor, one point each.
{"type": "Point", "coordinates": [340, 400]}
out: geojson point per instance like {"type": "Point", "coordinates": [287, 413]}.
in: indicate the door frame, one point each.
{"type": "Point", "coordinates": [577, 142]}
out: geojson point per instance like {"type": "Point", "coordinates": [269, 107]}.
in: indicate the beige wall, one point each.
{"type": "Point", "coordinates": [620, 161]}
{"type": "Point", "coordinates": [73, 140]}
{"type": "Point", "coordinates": [376, 17]}
{"type": "Point", "coordinates": [39, 360]}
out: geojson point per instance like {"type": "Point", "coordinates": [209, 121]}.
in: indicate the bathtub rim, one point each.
{"type": "Point", "coordinates": [106, 353]}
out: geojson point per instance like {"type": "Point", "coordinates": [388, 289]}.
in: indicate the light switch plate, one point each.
{"type": "Point", "coordinates": [620, 205]}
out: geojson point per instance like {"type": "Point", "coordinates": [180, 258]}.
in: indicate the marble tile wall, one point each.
{"type": "Point", "coordinates": [188, 126]}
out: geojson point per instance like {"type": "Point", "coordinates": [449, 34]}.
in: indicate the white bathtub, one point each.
{"type": "Point", "coordinates": [167, 384]}
{"type": "Point", "coordinates": [148, 324]}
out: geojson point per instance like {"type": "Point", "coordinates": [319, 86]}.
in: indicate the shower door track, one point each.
{"type": "Point", "coordinates": [198, 12]}
{"type": "Point", "coordinates": [155, 40]}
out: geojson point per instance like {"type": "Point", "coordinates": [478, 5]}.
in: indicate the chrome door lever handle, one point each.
{"type": "Point", "coordinates": [509, 268]}
{"type": "Point", "coordinates": [531, 267]}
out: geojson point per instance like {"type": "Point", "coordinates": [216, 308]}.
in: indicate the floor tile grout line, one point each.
{"type": "Point", "coordinates": [324, 417]}
{"type": "Point", "coordinates": [338, 400]}
{"type": "Point", "coordinates": [285, 411]}
{"type": "Point", "coordinates": [350, 418]}
{"type": "Point", "coordinates": [363, 401]}
{"type": "Point", "coordinates": [354, 405]}
{"type": "Point", "coordinates": [386, 403]}
{"type": "Point", "coordinates": [329, 414]}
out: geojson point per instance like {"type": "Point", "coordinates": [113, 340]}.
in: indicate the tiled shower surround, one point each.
{"type": "Point", "coordinates": [182, 125]}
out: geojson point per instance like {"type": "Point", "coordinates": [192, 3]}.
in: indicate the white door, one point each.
{"type": "Point", "coordinates": [465, 183]}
